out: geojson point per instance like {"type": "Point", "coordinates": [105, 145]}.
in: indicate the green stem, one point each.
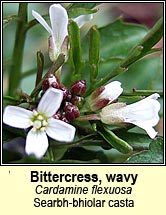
{"type": "Point", "coordinates": [15, 71]}
{"type": "Point", "coordinates": [56, 65]}
{"type": "Point", "coordinates": [141, 92]}
{"type": "Point", "coordinates": [146, 44]}
{"type": "Point", "coordinates": [77, 142]}
{"type": "Point", "coordinates": [139, 51]}
{"type": "Point", "coordinates": [140, 148]}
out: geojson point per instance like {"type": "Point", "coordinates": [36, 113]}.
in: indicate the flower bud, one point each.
{"type": "Point", "coordinates": [53, 81]}
{"type": "Point", "coordinates": [71, 111]}
{"type": "Point", "coordinates": [58, 115]}
{"type": "Point", "coordinates": [64, 119]}
{"type": "Point", "coordinates": [45, 84]}
{"type": "Point", "coordinates": [104, 95]}
{"type": "Point", "coordinates": [78, 87]}
{"type": "Point", "coordinates": [66, 93]}
{"type": "Point", "coordinates": [97, 92]}
{"type": "Point", "coordinates": [78, 101]}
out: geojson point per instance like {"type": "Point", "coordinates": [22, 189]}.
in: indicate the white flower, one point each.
{"type": "Point", "coordinates": [58, 41]}
{"type": "Point", "coordinates": [42, 121]}
{"type": "Point", "coordinates": [143, 114]}
{"type": "Point", "coordinates": [105, 95]}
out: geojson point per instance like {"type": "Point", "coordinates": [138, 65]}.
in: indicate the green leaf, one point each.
{"type": "Point", "coordinates": [74, 155]}
{"type": "Point", "coordinates": [32, 160]}
{"type": "Point", "coordinates": [9, 100]}
{"type": "Point", "coordinates": [10, 132]}
{"type": "Point", "coordinates": [8, 156]}
{"type": "Point", "coordinates": [7, 135]}
{"type": "Point", "coordinates": [144, 74]}
{"type": "Point", "coordinates": [116, 40]}
{"type": "Point", "coordinates": [136, 140]}
{"type": "Point", "coordinates": [78, 161]}
{"type": "Point", "coordinates": [137, 52]}
{"type": "Point", "coordinates": [15, 145]}
{"type": "Point", "coordinates": [84, 5]}
{"type": "Point", "coordinates": [153, 155]}
{"type": "Point", "coordinates": [75, 12]}
{"type": "Point", "coordinates": [83, 154]}
{"type": "Point", "coordinates": [119, 144]}
{"type": "Point", "coordinates": [59, 153]}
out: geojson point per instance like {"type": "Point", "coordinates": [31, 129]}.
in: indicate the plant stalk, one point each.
{"type": "Point", "coordinates": [15, 70]}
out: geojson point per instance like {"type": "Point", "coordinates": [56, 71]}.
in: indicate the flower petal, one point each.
{"type": "Point", "coordinates": [147, 127]}
{"type": "Point", "coordinates": [36, 143]}
{"type": "Point", "coordinates": [144, 110]}
{"type": "Point", "coordinates": [50, 102]}
{"type": "Point", "coordinates": [147, 102]}
{"type": "Point", "coordinates": [17, 117]}
{"type": "Point", "coordinates": [60, 130]}
{"type": "Point", "coordinates": [112, 91]}
{"type": "Point", "coordinates": [42, 21]}
{"type": "Point", "coordinates": [59, 22]}
{"type": "Point", "coordinates": [144, 114]}
{"type": "Point", "coordinates": [81, 20]}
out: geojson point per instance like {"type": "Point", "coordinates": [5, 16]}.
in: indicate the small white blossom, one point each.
{"type": "Point", "coordinates": [42, 123]}
{"type": "Point", "coordinates": [143, 114]}
{"type": "Point", "coordinates": [58, 41]}
{"type": "Point", "coordinates": [105, 95]}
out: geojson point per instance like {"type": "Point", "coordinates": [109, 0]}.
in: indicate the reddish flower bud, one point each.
{"type": "Point", "coordinates": [66, 93]}
{"type": "Point", "coordinates": [53, 81]}
{"type": "Point", "coordinates": [97, 92]}
{"type": "Point", "coordinates": [104, 95]}
{"type": "Point", "coordinates": [45, 84]}
{"type": "Point", "coordinates": [77, 100]}
{"type": "Point", "coordinates": [58, 115]}
{"type": "Point", "coordinates": [64, 119]}
{"type": "Point", "coordinates": [50, 81]}
{"type": "Point", "coordinates": [100, 104]}
{"type": "Point", "coordinates": [71, 111]}
{"type": "Point", "coordinates": [78, 87]}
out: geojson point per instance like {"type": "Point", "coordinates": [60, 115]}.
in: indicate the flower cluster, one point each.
{"type": "Point", "coordinates": [59, 105]}
{"type": "Point", "coordinates": [71, 97]}
{"type": "Point", "coordinates": [42, 122]}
